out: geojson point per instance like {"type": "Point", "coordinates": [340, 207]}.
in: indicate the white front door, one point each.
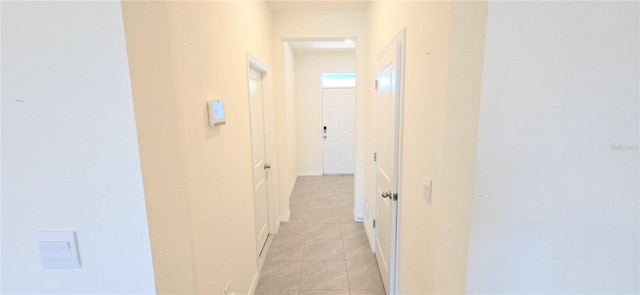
{"type": "Point", "coordinates": [260, 165]}
{"type": "Point", "coordinates": [388, 112]}
{"type": "Point", "coordinates": [338, 117]}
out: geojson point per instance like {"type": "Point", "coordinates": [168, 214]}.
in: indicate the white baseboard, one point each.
{"type": "Point", "coordinates": [254, 283]}
{"type": "Point", "coordinates": [310, 173]}
{"type": "Point", "coordinates": [357, 218]}
{"type": "Point", "coordinates": [285, 218]}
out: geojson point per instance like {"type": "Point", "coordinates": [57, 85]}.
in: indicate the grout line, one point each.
{"type": "Point", "coordinates": [346, 269]}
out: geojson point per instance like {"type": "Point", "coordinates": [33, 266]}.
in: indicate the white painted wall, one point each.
{"type": "Point", "coordinates": [316, 25]}
{"type": "Point", "coordinates": [309, 69]}
{"type": "Point", "coordinates": [556, 204]}
{"type": "Point", "coordinates": [69, 150]}
{"type": "Point", "coordinates": [199, 49]}
{"type": "Point", "coordinates": [444, 56]}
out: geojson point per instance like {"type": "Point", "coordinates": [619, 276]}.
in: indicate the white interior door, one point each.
{"type": "Point", "coordinates": [387, 151]}
{"type": "Point", "coordinates": [338, 117]}
{"type": "Point", "coordinates": [260, 165]}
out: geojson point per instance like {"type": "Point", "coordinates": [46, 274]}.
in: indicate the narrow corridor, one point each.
{"type": "Point", "coordinates": [321, 250]}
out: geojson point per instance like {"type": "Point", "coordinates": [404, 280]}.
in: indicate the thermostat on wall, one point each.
{"type": "Point", "coordinates": [215, 108]}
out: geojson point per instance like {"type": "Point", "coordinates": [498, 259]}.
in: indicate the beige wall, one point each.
{"type": "Point", "coordinates": [285, 120]}
{"type": "Point", "coordinates": [443, 73]}
{"type": "Point", "coordinates": [464, 80]}
{"type": "Point", "coordinates": [315, 25]}
{"type": "Point", "coordinates": [162, 147]}
{"type": "Point", "coordinates": [198, 179]}
{"type": "Point", "coordinates": [309, 69]}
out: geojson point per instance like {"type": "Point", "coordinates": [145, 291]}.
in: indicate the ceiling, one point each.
{"type": "Point", "coordinates": [322, 46]}
{"type": "Point", "coordinates": [317, 5]}
{"type": "Point", "coordinates": [302, 46]}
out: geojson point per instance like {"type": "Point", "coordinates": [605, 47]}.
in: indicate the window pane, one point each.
{"type": "Point", "coordinates": [338, 80]}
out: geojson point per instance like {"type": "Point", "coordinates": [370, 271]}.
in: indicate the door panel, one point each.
{"type": "Point", "coordinates": [260, 189]}
{"type": "Point", "coordinates": [338, 115]}
{"type": "Point", "coordinates": [384, 172]}
{"type": "Point", "coordinates": [387, 150]}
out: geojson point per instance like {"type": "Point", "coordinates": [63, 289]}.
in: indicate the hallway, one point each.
{"type": "Point", "coordinates": [321, 250]}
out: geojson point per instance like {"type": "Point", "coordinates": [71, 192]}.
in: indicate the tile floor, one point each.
{"type": "Point", "coordinates": [321, 250]}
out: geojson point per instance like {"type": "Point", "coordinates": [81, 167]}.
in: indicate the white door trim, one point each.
{"type": "Point", "coordinates": [400, 41]}
{"type": "Point", "coordinates": [257, 64]}
{"type": "Point", "coordinates": [274, 221]}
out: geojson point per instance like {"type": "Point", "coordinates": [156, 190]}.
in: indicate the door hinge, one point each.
{"type": "Point", "coordinates": [375, 157]}
{"type": "Point", "coordinates": [376, 85]}
{"type": "Point", "coordinates": [395, 197]}
{"type": "Point", "coordinates": [374, 223]}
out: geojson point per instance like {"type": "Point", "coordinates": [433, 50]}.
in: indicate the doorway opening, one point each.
{"type": "Point", "coordinates": [264, 195]}
{"type": "Point", "coordinates": [325, 104]}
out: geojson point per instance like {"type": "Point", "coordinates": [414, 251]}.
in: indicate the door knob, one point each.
{"type": "Point", "coordinates": [386, 195]}
{"type": "Point", "coordinates": [267, 166]}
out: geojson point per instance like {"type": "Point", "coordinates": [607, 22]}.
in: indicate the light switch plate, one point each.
{"type": "Point", "coordinates": [427, 190]}
{"type": "Point", "coordinates": [58, 249]}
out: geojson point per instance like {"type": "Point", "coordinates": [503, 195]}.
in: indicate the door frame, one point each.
{"type": "Point", "coordinates": [400, 41]}
{"type": "Point", "coordinates": [322, 125]}
{"type": "Point", "coordinates": [272, 200]}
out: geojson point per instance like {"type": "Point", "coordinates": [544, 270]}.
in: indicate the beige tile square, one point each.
{"type": "Point", "coordinates": [323, 292]}
{"type": "Point", "coordinates": [299, 209]}
{"type": "Point", "coordinates": [286, 250]}
{"type": "Point", "coordinates": [299, 203]}
{"type": "Point", "coordinates": [326, 210]}
{"type": "Point", "coordinates": [324, 231]}
{"type": "Point", "coordinates": [347, 210]}
{"type": "Point", "coordinates": [368, 292]}
{"type": "Point", "coordinates": [329, 197]}
{"type": "Point", "coordinates": [324, 216]}
{"type": "Point", "coordinates": [323, 250]}
{"type": "Point", "coordinates": [303, 191]}
{"type": "Point", "coordinates": [345, 204]}
{"type": "Point", "coordinates": [323, 206]}
{"type": "Point", "coordinates": [344, 191]}
{"type": "Point", "coordinates": [347, 217]}
{"type": "Point", "coordinates": [357, 249]}
{"type": "Point", "coordinates": [364, 275]}
{"type": "Point", "coordinates": [324, 275]}
{"type": "Point", "coordinates": [279, 275]}
{"type": "Point", "coordinates": [300, 217]}
{"type": "Point", "coordinates": [292, 231]}
{"type": "Point", "coordinates": [352, 230]}
{"type": "Point", "coordinates": [276, 292]}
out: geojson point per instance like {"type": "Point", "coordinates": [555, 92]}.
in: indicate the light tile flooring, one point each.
{"type": "Point", "coordinates": [321, 250]}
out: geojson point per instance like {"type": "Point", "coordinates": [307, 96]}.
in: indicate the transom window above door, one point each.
{"type": "Point", "coordinates": [338, 80]}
